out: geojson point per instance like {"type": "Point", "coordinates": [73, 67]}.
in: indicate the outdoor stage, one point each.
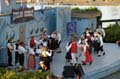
{"type": "Point", "coordinates": [101, 66]}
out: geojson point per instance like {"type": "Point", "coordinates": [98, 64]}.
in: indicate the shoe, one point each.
{"type": "Point", "coordinates": [90, 63]}
{"type": "Point", "coordinates": [83, 63]}
{"type": "Point", "coordinates": [98, 55]}
{"type": "Point", "coordinates": [103, 53]}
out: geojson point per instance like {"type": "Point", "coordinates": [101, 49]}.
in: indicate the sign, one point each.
{"type": "Point", "coordinates": [22, 15]}
{"type": "Point", "coordinates": [71, 28]}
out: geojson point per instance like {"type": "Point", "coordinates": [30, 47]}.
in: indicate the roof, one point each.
{"type": "Point", "coordinates": [85, 14]}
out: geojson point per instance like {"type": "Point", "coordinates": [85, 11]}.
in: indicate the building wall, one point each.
{"type": "Point", "coordinates": [52, 19]}
{"type": "Point", "coordinates": [63, 15]}
{"type": "Point", "coordinates": [82, 24]}
{"type": "Point", "coordinates": [24, 30]}
{"type": "Point", "coordinates": [7, 8]}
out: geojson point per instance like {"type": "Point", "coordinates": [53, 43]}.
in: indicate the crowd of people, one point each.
{"type": "Point", "coordinates": [88, 41]}
{"type": "Point", "coordinates": [44, 48]}
{"type": "Point", "coordinates": [48, 44]}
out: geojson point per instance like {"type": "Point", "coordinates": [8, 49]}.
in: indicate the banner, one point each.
{"type": "Point", "coordinates": [22, 15]}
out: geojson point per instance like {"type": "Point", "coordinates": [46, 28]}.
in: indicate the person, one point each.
{"type": "Point", "coordinates": [68, 54]}
{"type": "Point", "coordinates": [88, 35]}
{"type": "Point", "coordinates": [78, 71]}
{"type": "Point", "coordinates": [52, 42]}
{"type": "Point", "coordinates": [100, 43]}
{"type": "Point", "coordinates": [58, 39]}
{"type": "Point", "coordinates": [31, 58]}
{"type": "Point", "coordinates": [74, 48]}
{"type": "Point", "coordinates": [101, 31]}
{"type": "Point", "coordinates": [21, 51]}
{"type": "Point", "coordinates": [16, 52]}
{"type": "Point", "coordinates": [44, 34]}
{"type": "Point", "coordinates": [86, 57]}
{"type": "Point", "coordinates": [118, 42]}
{"type": "Point", "coordinates": [10, 49]}
{"type": "Point", "coordinates": [46, 56]}
{"type": "Point", "coordinates": [33, 42]}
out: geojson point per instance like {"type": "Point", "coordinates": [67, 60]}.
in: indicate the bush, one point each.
{"type": "Point", "coordinates": [90, 9]}
{"type": "Point", "coordinates": [112, 33]}
{"type": "Point", "coordinates": [13, 74]}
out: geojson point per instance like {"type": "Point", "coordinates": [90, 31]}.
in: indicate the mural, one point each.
{"type": "Point", "coordinates": [10, 32]}
{"type": "Point", "coordinates": [31, 30]}
{"type": "Point", "coordinates": [71, 28]}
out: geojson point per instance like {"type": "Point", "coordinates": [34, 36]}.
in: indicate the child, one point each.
{"type": "Point", "coordinates": [85, 53]}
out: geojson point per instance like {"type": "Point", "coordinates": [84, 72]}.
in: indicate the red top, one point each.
{"type": "Point", "coordinates": [74, 47]}
{"type": "Point", "coordinates": [32, 42]}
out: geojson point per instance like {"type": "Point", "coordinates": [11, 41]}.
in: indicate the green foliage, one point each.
{"type": "Point", "coordinates": [112, 33]}
{"type": "Point", "coordinates": [90, 9]}
{"type": "Point", "coordinates": [13, 74]}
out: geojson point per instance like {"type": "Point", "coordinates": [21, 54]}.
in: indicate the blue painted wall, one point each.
{"type": "Point", "coordinates": [63, 15]}
{"type": "Point", "coordinates": [52, 19]}
{"type": "Point", "coordinates": [7, 30]}
{"type": "Point", "coordinates": [83, 23]}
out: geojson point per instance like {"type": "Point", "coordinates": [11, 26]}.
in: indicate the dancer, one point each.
{"type": "Point", "coordinates": [85, 53]}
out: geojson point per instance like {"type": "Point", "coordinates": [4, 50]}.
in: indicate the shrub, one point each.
{"type": "Point", "coordinates": [112, 33]}
{"type": "Point", "coordinates": [90, 9]}
{"type": "Point", "coordinates": [13, 74]}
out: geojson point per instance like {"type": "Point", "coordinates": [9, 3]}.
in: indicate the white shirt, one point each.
{"type": "Point", "coordinates": [59, 37]}
{"type": "Point", "coordinates": [102, 31]}
{"type": "Point", "coordinates": [21, 49]}
{"type": "Point", "coordinates": [9, 46]}
{"type": "Point", "coordinates": [68, 47]}
{"type": "Point", "coordinates": [85, 41]}
{"type": "Point", "coordinates": [101, 40]}
{"type": "Point", "coordinates": [31, 51]}
{"type": "Point", "coordinates": [48, 53]}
